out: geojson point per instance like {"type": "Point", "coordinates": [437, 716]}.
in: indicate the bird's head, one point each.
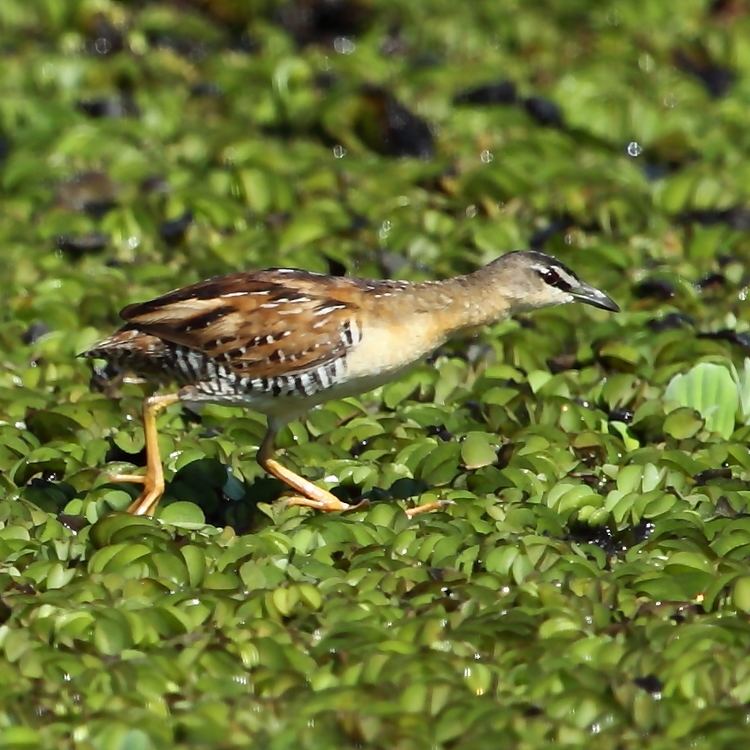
{"type": "Point", "coordinates": [532, 280]}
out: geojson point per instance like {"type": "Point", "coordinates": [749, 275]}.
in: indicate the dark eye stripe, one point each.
{"type": "Point", "coordinates": [554, 279]}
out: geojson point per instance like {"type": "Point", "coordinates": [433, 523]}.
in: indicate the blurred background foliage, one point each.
{"type": "Point", "coordinates": [590, 584]}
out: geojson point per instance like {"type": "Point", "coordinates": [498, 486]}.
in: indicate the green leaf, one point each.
{"type": "Point", "coordinates": [105, 531]}
{"type": "Point", "coordinates": [682, 423]}
{"type": "Point", "coordinates": [183, 515]}
{"type": "Point", "coordinates": [477, 450]}
{"type": "Point", "coordinates": [441, 465]}
{"type": "Point", "coordinates": [111, 635]}
{"type": "Point", "coordinates": [709, 389]}
{"type": "Point", "coordinates": [741, 594]}
{"type": "Point", "coordinates": [195, 561]}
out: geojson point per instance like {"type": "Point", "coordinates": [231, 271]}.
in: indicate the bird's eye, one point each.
{"type": "Point", "coordinates": [553, 278]}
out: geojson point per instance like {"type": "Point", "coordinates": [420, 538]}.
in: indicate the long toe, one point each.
{"type": "Point", "coordinates": [360, 505]}
{"type": "Point", "coordinates": [145, 504]}
{"type": "Point", "coordinates": [325, 504]}
{"type": "Point", "coordinates": [428, 507]}
{"type": "Point", "coordinates": [127, 478]}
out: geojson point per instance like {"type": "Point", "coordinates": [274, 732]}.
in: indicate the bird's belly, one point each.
{"type": "Point", "coordinates": [287, 403]}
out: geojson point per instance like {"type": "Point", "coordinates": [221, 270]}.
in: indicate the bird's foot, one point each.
{"type": "Point", "coordinates": [145, 504]}
{"type": "Point", "coordinates": [325, 502]}
{"type": "Point", "coordinates": [127, 478]}
{"type": "Point", "coordinates": [428, 507]}
{"type": "Point", "coordinates": [153, 488]}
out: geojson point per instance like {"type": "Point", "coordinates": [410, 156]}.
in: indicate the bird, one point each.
{"type": "Point", "coordinates": [283, 340]}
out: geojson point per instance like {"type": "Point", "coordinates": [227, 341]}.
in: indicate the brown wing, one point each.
{"type": "Point", "coordinates": [257, 323]}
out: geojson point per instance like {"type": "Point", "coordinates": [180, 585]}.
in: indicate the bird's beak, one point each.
{"type": "Point", "coordinates": [592, 296]}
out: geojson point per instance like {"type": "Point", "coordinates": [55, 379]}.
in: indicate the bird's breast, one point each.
{"type": "Point", "coordinates": [386, 349]}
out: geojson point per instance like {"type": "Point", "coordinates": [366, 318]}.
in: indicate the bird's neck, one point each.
{"type": "Point", "coordinates": [465, 302]}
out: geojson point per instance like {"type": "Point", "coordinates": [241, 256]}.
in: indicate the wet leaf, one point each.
{"type": "Point", "coordinates": [710, 390]}
{"type": "Point", "coordinates": [184, 515]}
{"type": "Point", "coordinates": [477, 450]}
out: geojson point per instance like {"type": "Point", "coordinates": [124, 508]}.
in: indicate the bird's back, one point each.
{"type": "Point", "coordinates": [250, 337]}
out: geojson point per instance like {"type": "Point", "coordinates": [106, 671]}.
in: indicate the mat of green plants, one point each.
{"type": "Point", "coordinates": [589, 585]}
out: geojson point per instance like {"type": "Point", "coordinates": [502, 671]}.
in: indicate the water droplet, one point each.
{"type": "Point", "coordinates": [385, 229]}
{"type": "Point", "coordinates": [646, 63]}
{"type": "Point", "coordinates": [339, 152]}
{"type": "Point", "coordinates": [486, 156]}
{"type": "Point", "coordinates": [102, 46]}
{"type": "Point", "coordinates": [344, 45]}
{"type": "Point", "coordinates": [634, 148]}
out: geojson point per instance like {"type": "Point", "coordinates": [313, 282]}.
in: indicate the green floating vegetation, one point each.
{"type": "Point", "coordinates": [587, 582]}
{"type": "Point", "coordinates": [718, 394]}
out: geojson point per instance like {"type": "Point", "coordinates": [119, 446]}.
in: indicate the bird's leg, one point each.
{"type": "Point", "coordinates": [153, 480]}
{"type": "Point", "coordinates": [310, 495]}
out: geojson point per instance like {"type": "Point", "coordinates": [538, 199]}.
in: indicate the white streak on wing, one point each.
{"type": "Point", "coordinates": [291, 300]}
{"type": "Point", "coordinates": [226, 295]}
{"type": "Point", "coordinates": [329, 309]}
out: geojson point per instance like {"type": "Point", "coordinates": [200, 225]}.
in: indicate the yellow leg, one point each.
{"type": "Point", "coordinates": [310, 495]}
{"type": "Point", "coordinates": [129, 478]}
{"type": "Point", "coordinates": [428, 507]}
{"type": "Point", "coordinates": [153, 481]}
